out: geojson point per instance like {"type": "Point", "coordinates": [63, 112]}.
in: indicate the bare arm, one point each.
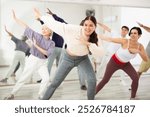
{"type": "Point", "coordinates": [49, 11]}
{"type": "Point", "coordinates": [143, 53]}
{"type": "Point", "coordinates": [110, 39]}
{"type": "Point", "coordinates": [145, 27]}
{"type": "Point", "coordinates": [37, 14]}
{"type": "Point", "coordinates": [106, 28]}
{"type": "Point", "coordinates": [9, 33]}
{"type": "Point", "coordinates": [43, 51]}
{"type": "Point", "coordinates": [20, 22]}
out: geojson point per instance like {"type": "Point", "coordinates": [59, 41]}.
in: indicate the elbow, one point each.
{"type": "Point", "coordinates": [146, 59]}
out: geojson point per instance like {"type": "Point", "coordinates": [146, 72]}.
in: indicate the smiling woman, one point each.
{"type": "Point", "coordinates": [113, 14]}
{"type": "Point", "coordinates": [121, 59]}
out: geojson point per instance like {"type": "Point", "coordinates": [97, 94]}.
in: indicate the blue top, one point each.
{"type": "Point", "coordinates": [44, 43]}
{"type": "Point", "coordinates": [59, 41]}
{"type": "Point", "coordinates": [20, 44]}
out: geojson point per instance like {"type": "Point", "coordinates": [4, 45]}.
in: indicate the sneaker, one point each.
{"type": "Point", "coordinates": [39, 81]}
{"type": "Point", "coordinates": [4, 80]}
{"type": "Point", "coordinates": [83, 87]}
{"type": "Point", "coordinates": [10, 97]}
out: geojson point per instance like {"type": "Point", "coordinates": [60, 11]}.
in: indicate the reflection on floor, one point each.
{"type": "Point", "coordinates": [116, 89]}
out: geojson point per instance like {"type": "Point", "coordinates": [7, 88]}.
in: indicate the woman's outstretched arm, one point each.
{"type": "Point", "coordinates": [20, 22]}
{"type": "Point", "coordinates": [110, 39]}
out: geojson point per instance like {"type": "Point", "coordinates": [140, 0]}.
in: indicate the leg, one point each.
{"type": "Point", "coordinates": [22, 62]}
{"type": "Point", "coordinates": [81, 78]}
{"type": "Point", "coordinates": [86, 66]}
{"type": "Point", "coordinates": [17, 67]}
{"type": "Point", "coordinates": [55, 55]}
{"type": "Point", "coordinates": [110, 69]}
{"type": "Point", "coordinates": [129, 69]}
{"type": "Point", "coordinates": [43, 72]}
{"type": "Point", "coordinates": [59, 50]}
{"type": "Point", "coordinates": [144, 67]}
{"type": "Point", "coordinates": [21, 67]}
{"type": "Point", "coordinates": [95, 66]}
{"type": "Point", "coordinates": [63, 69]}
{"type": "Point", "coordinates": [30, 66]}
{"type": "Point", "coordinates": [14, 64]}
{"type": "Point", "coordinates": [51, 59]}
{"type": "Point", "coordinates": [19, 58]}
{"type": "Point", "coordinates": [11, 68]}
{"type": "Point", "coordinates": [61, 55]}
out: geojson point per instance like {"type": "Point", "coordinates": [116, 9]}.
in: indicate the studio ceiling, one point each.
{"type": "Point", "coordinates": [129, 3]}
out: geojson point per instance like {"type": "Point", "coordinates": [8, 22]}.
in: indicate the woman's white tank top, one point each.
{"type": "Point", "coordinates": [124, 55]}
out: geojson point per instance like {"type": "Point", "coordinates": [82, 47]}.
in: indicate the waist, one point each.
{"type": "Point", "coordinates": [117, 60]}
{"type": "Point", "coordinates": [73, 56]}
{"type": "Point", "coordinates": [77, 52]}
{"type": "Point", "coordinates": [70, 53]}
{"type": "Point", "coordinates": [59, 46]}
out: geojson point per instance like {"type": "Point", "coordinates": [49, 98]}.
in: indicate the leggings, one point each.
{"type": "Point", "coordinates": [112, 67]}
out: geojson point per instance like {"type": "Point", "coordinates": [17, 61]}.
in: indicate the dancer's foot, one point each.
{"type": "Point", "coordinates": [83, 87]}
{"type": "Point", "coordinates": [39, 81]}
{"type": "Point", "coordinates": [4, 80]}
{"type": "Point", "coordinates": [10, 97]}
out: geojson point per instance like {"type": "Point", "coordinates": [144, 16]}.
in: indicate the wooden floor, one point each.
{"type": "Point", "coordinates": [116, 89]}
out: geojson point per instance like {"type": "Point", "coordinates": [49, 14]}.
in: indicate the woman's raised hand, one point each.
{"type": "Point", "coordinates": [37, 13]}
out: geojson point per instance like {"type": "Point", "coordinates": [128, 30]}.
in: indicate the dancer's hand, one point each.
{"type": "Point", "coordinates": [141, 25]}
{"type": "Point", "coordinates": [9, 33]}
{"type": "Point", "coordinates": [34, 42]}
{"type": "Point", "coordinates": [37, 14]}
{"type": "Point", "coordinates": [49, 11]}
{"type": "Point", "coordinates": [20, 22]}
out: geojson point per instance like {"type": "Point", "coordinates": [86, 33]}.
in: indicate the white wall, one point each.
{"type": "Point", "coordinates": [129, 16]}
{"type": "Point", "coordinates": [111, 16]}
{"type": "Point", "coordinates": [72, 13]}
{"type": "Point", "coordinates": [1, 55]}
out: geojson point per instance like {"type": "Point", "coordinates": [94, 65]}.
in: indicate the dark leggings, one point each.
{"type": "Point", "coordinates": [112, 66]}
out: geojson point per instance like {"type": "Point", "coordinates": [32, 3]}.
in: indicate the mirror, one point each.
{"type": "Point", "coordinates": [112, 16]}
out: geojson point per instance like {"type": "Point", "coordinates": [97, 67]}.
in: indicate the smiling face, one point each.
{"type": "Point", "coordinates": [89, 27]}
{"type": "Point", "coordinates": [135, 33]}
{"type": "Point", "coordinates": [46, 31]}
